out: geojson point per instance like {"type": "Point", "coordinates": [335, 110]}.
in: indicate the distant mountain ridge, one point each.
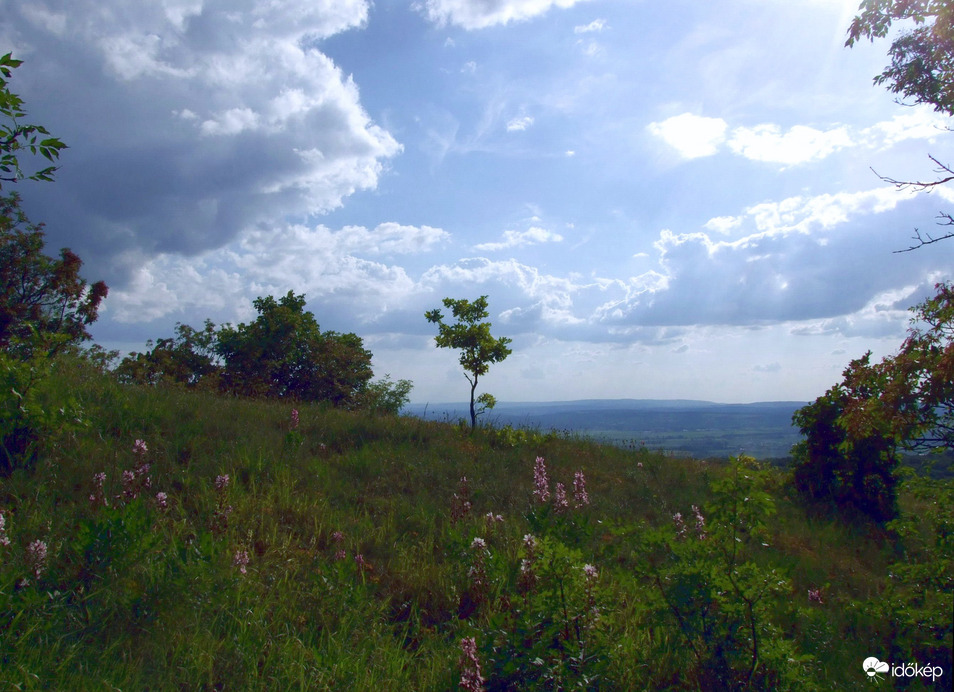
{"type": "Point", "coordinates": [685, 426]}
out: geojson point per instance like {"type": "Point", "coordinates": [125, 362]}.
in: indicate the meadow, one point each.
{"type": "Point", "coordinates": [164, 538]}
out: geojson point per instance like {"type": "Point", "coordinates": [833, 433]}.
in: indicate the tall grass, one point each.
{"type": "Point", "coordinates": [332, 558]}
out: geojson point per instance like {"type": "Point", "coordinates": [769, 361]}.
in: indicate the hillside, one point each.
{"type": "Point", "coordinates": [169, 539]}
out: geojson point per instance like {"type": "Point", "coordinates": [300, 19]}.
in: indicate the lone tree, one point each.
{"type": "Point", "coordinates": [478, 348]}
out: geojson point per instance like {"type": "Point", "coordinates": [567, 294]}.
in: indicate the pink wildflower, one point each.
{"type": "Point", "coordinates": [814, 595]}
{"type": "Point", "coordinates": [580, 498]}
{"type": "Point", "coordinates": [559, 498]}
{"type": "Point", "coordinates": [162, 500]}
{"type": "Point", "coordinates": [492, 520]}
{"type": "Point", "coordinates": [471, 679]}
{"type": "Point", "coordinates": [340, 554]}
{"type": "Point", "coordinates": [360, 561]}
{"type": "Point", "coordinates": [4, 541]}
{"type": "Point", "coordinates": [337, 537]}
{"type": "Point", "coordinates": [528, 578]}
{"type": "Point", "coordinates": [36, 557]}
{"type": "Point", "coordinates": [98, 497]}
{"type": "Point", "coordinates": [591, 572]}
{"type": "Point", "coordinates": [135, 481]}
{"type": "Point", "coordinates": [540, 481]}
{"type": "Point", "coordinates": [240, 560]}
{"type": "Point", "coordinates": [460, 503]}
{"type": "Point", "coordinates": [222, 482]}
{"type": "Point", "coordinates": [680, 525]}
{"type": "Point", "coordinates": [700, 523]}
{"type": "Point", "coordinates": [139, 447]}
{"type": "Point", "coordinates": [294, 418]}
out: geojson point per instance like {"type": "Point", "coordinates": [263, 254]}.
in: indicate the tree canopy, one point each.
{"type": "Point", "coordinates": [478, 347]}
{"type": "Point", "coordinates": [921, 71]}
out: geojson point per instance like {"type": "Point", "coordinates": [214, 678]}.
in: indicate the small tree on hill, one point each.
{"type": "Point", "coordinates": [284, 353]}
{"type": "Point", "coordinates": [478, 347]}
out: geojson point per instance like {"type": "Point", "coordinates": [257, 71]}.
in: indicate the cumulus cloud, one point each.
{"type": "Point", "coordinates": [480, 15]}
{"type": "Point", "coordinates": [511, 239]}
{"type": "Point", "coordinates": [695, 136]}
{"type": "Point", "coordinates": [325, 264]}
{"type": "Point", "coordinates": [802, 258]}
{"type": "Point", "coordinates": [202, 120]}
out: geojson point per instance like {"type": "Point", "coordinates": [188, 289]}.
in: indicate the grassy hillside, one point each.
{"type": "Point", "coordinates": [232, 549]}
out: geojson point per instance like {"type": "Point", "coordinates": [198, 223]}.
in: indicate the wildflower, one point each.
{"type": "Point", "coordinates": [139, 447]}
{"type": "Point", "coordinates": [591, 572]}
{"type": "Point", "coordinates": [360, 561]}
{"type": "Point", "coordinates": [162, 500]}
{"type": "Point", "coordinates": [240, 560]}
{"type": "Point", "coordinates": [540, 481]}
{"type": "Point", "coordinates": [478, 570]}
{"type": "Point", "coordinates": [580, 498]}
{"type": "Point", "coordinates": [135, 481]}
{"type": "Point", "coordinates": [814, 595]}
{"type": "Point", "coordinates": [4, 541]}
{"type": "Point", "coordinates": [340, 554]}
{"type": "Point", "coordinates": [337, 537]}
{"type": "Point", "coordinates": [639, 464]}
{"type": "Point", "coordinates": [559, 498]}
{"type": "Point", "coordinates": [528, 578]}
{"type": "Point", "coordinates": [36, 557]}
{"type": "Point", "coordinates": [471, 679]}
{"type": "Point", "coordinates": [680, 525]}
{"type": "Point", "coordinates": [98, 497]}
{"type": "Point", "coordinates": [222, 482]}
{"type": "Point", "coordinates": [492, 520]}
{"type": "Point", "coordinates": [700, 523]}
{"type": "Point", "coordinates": [460, 503]}
{"type": "Point", "coordinates": [294, 418]}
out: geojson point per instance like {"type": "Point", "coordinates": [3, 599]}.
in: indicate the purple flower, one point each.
{"type": "Point", "coordinates": [139, 447]}
{"type": "Point", "coordinates": [580, 498]}
{"type": "Point", "coordinates": [222, 482]}
{"type": "Point", "coordinates": [471, 679]}
{"type": "Point", "coordinates": [559, 498]}
{"type": "Point", "coordinates": [337, 537]}
{"type": "Point", "coordinates": [240, 560]}
{"type": "Point", "coordinates": [4, 541]}
{"type": "Point", "coordinates": [540, 480]}
{"type": "Point", "coordinates": [460, 503]}
{"type": "Point", "coordinates": [36, 557]}
{"type": "Point", "coordinates": [680, 525]}
{"type": "Point", "coordinates": [700, 523]}
{"type": "Point", "coordinates": [815, 596]}
{"type": "Point", "coordinates": [591, 572]}
{"type": "Point", "coordinates": [162, 500]}
{"type": "Point", "coordinates": [294, 418]}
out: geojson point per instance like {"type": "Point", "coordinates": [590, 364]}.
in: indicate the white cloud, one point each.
{"type": "Point", "coordinates": [691, 135]}
{"type": "Point", "coordinates": [482, 14]}
{"type": "Point", "coordinates": [696, 136]}
{"type": "Point", "coordinates": [531, 236]}
{"type": "Point", "coordinates": [324, 264]}
{"type": "Point", "coordinates": [799, 144]}
{"type": "Point", "coordinates": [596, 25]}
{"type": "Point", "coordinates": [264, 125]}
{"type": "Point", "coordinates": [519, 124]}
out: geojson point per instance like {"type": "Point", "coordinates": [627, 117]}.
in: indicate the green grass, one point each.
{"type": "Point", "coordinates": [133, 596]}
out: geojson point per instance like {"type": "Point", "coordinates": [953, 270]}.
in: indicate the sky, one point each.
{"type": "Point", "coordinates": [660, 200]}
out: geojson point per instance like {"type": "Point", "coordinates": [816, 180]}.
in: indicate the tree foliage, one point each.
{"type": "Point", "coordinates": [921, 71]}
{"type": "Point", "coordinates": [188, 358]}
{"type": "Point", "coordinates": [283, 353]}
{"type": "Point", "coordinates": [40, 296]}
{"type": "Point", "coordinates": [16, 137]}
{"type": "Point", "coordinates": [479, 349]}
{"type": "Point", "coordinates": [909, 397]}
{"type": "Point", "coordinates": [906, 402]}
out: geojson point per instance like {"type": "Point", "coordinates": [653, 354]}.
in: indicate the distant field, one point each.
{"type": "Point", "coordinates": [699, 429]}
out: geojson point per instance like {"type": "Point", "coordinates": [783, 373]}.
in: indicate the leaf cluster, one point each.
{"type": "Point", "coordinates": [16, 137]}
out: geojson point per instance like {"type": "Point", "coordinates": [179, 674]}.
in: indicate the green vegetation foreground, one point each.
{"type": "Point", "coordinates": [168, 538]}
